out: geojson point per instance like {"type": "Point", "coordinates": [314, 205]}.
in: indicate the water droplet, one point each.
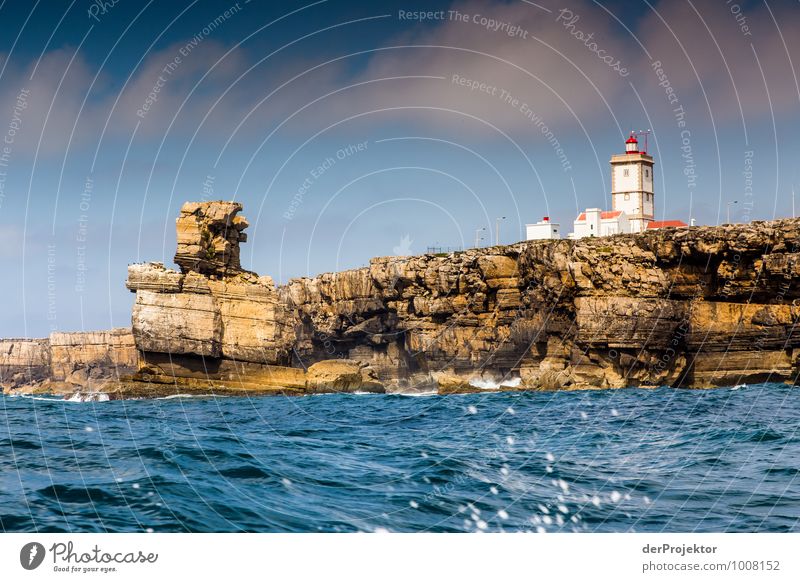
{"type": "Point", "coordinates": [504, 470]}
{"type": "Point", "coordinates": [89, 429]}
{"type": "Point", "coordinates": [149, 530]}
{"type": "Point", "coordinates": [502, 514]}
{"type": "Point", "coordinates": [614, 412]}
{"type": "Point", "coordinates": [413, 504]}
{"type": "Point", "coordinates": [286, 482]}
{"type": "Point", "coordinates": [596, 501]}
{"type": "Point", "coordinates": [584, 416]}
{"type": "Point", "coordinates": [510, 440]}
{"type": "Point", "coordinates": [550, 457]}
{"type": "Point", "coordinates": [510, 410]}
{"type": "Point", "coordinates": [482, 524]}
{"type": "Point", "coordinates": [135, 485]}
{"type": "Point", "coordinates": [615, 496]}
{"type": "Point", "coordinates": [494, 490]}
{"type": "Point", "coordinates": [647, 500]}
{"type": "Point", "coordinates": [472, 409]}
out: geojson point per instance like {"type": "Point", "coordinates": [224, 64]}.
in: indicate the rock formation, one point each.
{"type": "Point", "coordinates": [689, 307]}
{"type": "Point", "coordinates": [209, 234]}
{"type": "Point", "coordinates": [68, 362]}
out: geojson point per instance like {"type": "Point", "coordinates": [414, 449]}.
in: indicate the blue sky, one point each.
{"type": "Point", "coordinates": [350, 129]}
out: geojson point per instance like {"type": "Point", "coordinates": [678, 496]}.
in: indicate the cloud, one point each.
{"type": "Point", "coordinates": [714, 54]}
{"type": "Point", "coordinates": [43, 100]}
{"type": "Point", "coordinates": [485, 67]}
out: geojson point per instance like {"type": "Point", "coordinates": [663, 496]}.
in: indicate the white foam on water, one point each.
{"type": "Point", "coordinates": [91, 397]}
{"type": "Point", "coordinates": [493, 384]}
{"type": "Point", "coordinates": [171, 396]}
{"type": "Point", "coordinates": [32, 397]}
{"type": "Point", "coordinates": [77, 397]}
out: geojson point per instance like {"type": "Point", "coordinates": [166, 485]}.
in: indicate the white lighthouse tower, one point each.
{"type": "Point", "coordinates": [632, 184]}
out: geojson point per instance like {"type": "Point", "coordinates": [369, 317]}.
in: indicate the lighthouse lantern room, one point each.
{"type": "Point", "coordinates": [632, 184]}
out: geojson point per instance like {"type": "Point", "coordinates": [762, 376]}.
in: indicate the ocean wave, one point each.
{"type": "Point", "coordinates": [347, 464]}
{"type": "Point", "coordinates": [488, 384]}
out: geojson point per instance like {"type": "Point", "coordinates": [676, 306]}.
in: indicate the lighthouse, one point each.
{"type": "Point", "coordinates": [632, 185]}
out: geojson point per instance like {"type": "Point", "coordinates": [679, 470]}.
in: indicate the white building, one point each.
{"type": "Point", "coordinates": [542, 230]}
{"type": "Point", "coordinates": [596, 222]}
{"type": "Point", "coordinates": [632, 201]}
{"type": "Point", "coordinates": [632, 185]}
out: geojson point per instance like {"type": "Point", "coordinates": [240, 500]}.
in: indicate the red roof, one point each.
{"type": "Point", "coordinates": [663, 223]}
{"type": "Point", "coordinates": [632, 139]}
{"type": "Point", "coordinates": [603, 215]}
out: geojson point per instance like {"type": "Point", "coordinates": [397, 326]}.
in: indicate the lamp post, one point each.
{"type": "Point", "coordinates": [728, 220]}
{"type": "Point", "coordinates": [478, 237]}
{"type": "Point", "coordinates": [497, 230]}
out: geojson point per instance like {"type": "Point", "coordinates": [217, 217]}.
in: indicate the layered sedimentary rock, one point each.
{"type": "Point", "coordinates": [700, 306]}
{"type": "Point", "coordinates": [209, 234]}
{"type": "Point", "coordinates": [68, 362]}
{"type": "Point", "coordinates": [693, 307]}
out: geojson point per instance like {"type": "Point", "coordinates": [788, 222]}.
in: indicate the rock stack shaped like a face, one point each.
{"type": "Point", "coordinates": [209, 234]}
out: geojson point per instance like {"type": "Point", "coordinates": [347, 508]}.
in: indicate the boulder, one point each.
{"type": "Point", "coordinates": [342, 376]}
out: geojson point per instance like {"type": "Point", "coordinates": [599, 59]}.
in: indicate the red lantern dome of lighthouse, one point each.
{"type": "Point", "coordinates": [632, 145]}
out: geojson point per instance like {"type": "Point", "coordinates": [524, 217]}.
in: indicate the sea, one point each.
{"type": "Point", "coordinates": [633, 460]}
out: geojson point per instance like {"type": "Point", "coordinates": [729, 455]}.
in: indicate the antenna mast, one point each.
{"type": "Point", "coordinates": [644, 133]}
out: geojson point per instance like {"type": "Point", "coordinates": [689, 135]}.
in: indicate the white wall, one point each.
{"type": "Point", "coordinates": [623, 183]}
{"type": "Point", "coordinates": [542, 230]}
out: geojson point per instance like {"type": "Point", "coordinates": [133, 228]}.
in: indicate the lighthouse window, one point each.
{"type": "Point", "coordinates": [626, 172]}
{"type": "Point", "coordinates": [646, 173]}
{"type": "Point", "coordinates": [627, 196]}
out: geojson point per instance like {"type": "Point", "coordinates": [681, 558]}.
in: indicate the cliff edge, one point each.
{"type": "Point", "coordinates": [694, 306]}
{"type": "Point", "coordinates": [685, 307]}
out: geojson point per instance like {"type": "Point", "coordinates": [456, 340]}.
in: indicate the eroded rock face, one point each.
{"type": "Point", "coordinates": [342, 376]}
{"type": "Point", "coordinates": [238, 317]}
{"type": "Point", "coordinates": [707, 306]}
{"type": "Point", "coordinates": [697, 306]}
{"type": "Point", "coordinates": [66, 362]}
{"type": "Point", "coordinates": [209, 234]}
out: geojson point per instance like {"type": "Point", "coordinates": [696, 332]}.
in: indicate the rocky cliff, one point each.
{"type": "Point", "coordinates": [685, 307]}
{"type": "Point", "coordinates": [695, 306]}
{"type": "Point", "coordinates": [68, 362]}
